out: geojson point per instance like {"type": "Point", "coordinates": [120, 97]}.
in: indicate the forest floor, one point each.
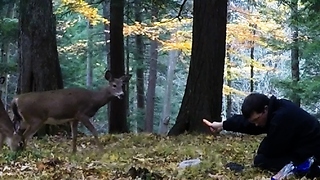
{"type": "Point", "coordinates": [152, 156]}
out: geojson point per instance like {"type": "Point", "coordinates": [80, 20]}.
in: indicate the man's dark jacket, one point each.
{"type": "Point", "coordinates": [291, 131]}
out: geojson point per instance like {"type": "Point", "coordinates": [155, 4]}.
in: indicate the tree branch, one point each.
{"type": "Point", "coordinates": [181, 8]}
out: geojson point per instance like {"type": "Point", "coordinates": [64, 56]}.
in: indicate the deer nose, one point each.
{"type": "Point", "coordinates": [21, 145]}
{"type": "Point", "coordinates": [121, 96]}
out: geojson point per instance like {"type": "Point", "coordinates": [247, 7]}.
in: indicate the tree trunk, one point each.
{"type": "Point", "coordinates": [252, 59]}
{"type": "Point", "coordinates": [166, 113]}
{"type": "Point", "coordinates": [203, 94]}
{"type": "Point", "coordinates": [127, 66]}
{"type": "Point", "coordinates": [152, 79]}
{"type": "Point", "coordinates": [139, 57]}
{"type": "Point", "coordinates": [38, 62]}
{"type": "Point", "coordinates": [229, 83]}
{"type": "Point", "coordinates": [117, 107]}
{"type": "Point", "coordinates": [295, 54]}
{"type": "Point", "coordinates": [89, 56]}
{"type": "Point", "coordinates": [106, 14]}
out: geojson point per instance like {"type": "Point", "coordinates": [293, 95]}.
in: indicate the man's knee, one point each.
{"type": "Point", "coordinates": [271, 164]}
{"type": "Point", "coordinates": [259, 160]}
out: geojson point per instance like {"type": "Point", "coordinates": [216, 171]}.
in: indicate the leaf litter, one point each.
{"type": "Point", "coordinates": [135, 156]}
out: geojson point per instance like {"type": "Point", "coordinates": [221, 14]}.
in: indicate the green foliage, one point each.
{"type": "Point", "coordinates": [8, 30]}
{"type": "Point", "coordinates": [11, 156]}
{"type": "Point", "coordinates": [307, 88]}
{"type": "Point", "coordinates": [8, 67]}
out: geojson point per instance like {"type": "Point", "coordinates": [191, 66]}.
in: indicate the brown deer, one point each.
{"type": "Point", "coordinates": [65, 105]}
{"type": "Point", "coordinates": [8, 133]}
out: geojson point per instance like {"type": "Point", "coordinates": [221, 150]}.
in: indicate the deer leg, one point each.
{"type": "Point", "coordinates": [86, 122]}
{"type": "Point", "coordinates": [31, 130]}
{"type": "Point", "coordinates": [1, 140]}
{"type": "Point", "coordinates": [74, 131]}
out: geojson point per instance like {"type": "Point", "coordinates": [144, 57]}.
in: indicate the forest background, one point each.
{"type": "Point", "coordinates": [188, 59]}
{"type": "Point", "coordinates": [271, 47]}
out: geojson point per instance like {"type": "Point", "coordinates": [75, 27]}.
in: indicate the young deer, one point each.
{"type": "Point", "coordinates": [8, 133]}
{"type": "Point", "coordinates": [65, 105]}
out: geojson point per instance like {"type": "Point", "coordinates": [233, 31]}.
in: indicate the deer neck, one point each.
{"type": "Point", "coordinates": [103, 96]}
{"type": "Point", "coordinates": [6, 127]}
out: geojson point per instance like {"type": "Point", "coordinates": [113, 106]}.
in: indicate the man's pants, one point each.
{"type": "Point", "coordinates": [276, 164]}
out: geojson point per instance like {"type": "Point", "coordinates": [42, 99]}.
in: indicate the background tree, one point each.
{"type": "Point", "coordinates": [149, 118]}
{"type": "Point", "coordinates": [272, 56]}
{"type": "Point", "coordinates": [203, 94]}
{"type": "Point", "coordinates": [295, 70]}
{"type": "Point", "coordinates": [38, 64]}
{"type": "Point", "coordinates": [140, 66]}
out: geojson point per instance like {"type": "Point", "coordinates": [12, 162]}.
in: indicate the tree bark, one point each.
{"type": "Point", "coordinates": [38, 62]}
{"type": "Point", "coordinates": [89, 56]}
{"type": "Point", "coordinates": [253, 26]}
{"type": "Point", "coordinates": [203, 93]}
{"type": "Point", "coordinates": [295, 54]}
{"type": "Point", "coordinates": [117, 107]}
{"type": "Point", "coordinates": [151, 91]}
{"type": "Point", "coordinates": [139, 57]}
{"type": "Point", "coordinates": [106, 14]}
{"type": "Point", "coordinates": [229, 83]}
{"type": "Point", "coordinates": [164, 122]}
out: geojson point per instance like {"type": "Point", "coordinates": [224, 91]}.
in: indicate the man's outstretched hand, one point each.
{"type": "Point", "coordinates": [215, 127]}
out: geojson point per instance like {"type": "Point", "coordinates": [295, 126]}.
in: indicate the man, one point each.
{"type": "Point", "coordinates": [292, 133]}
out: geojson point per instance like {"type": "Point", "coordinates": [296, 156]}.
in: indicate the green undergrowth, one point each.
{"type": "Point", "coordinates": [153, 156]}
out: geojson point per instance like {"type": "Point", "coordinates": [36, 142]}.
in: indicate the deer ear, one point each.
{"type": "Point", "coordinates": [126, 78]}
{"type": "Point", "coordinates": [108, 76]}
{"type": "Point", "coordinates": [2, 79]}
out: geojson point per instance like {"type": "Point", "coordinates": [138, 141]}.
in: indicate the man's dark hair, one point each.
{"type": "Point", "coordinates": [254, 102]}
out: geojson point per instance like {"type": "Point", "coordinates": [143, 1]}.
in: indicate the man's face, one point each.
{"type": "Point", "coordinates": [259, 119]}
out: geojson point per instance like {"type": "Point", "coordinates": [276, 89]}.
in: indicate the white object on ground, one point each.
{"type": "Point", "coordinates": [191, 162]}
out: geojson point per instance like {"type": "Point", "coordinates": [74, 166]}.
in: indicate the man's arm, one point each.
{"type": "Point", "coordinates": [238, 123]}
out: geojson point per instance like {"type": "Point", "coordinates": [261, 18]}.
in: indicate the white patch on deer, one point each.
{"type": "Point", "coordinates": [8, 141]}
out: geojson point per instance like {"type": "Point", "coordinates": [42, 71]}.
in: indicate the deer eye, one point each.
{"type": "Point", "coordinates": [114, 85]}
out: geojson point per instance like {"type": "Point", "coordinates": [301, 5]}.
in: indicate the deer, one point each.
{"type": "Point", "coordinates": [34, 109]}
{"type": "Point", "coordinates": [8, 132]}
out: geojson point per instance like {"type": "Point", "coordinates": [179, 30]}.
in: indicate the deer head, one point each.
{"type": "Point", "coordinates": [8, 132]}
{"type": "Point", "coordinates": [115, 86]}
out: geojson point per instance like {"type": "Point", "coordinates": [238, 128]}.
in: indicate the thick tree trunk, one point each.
{"type": "Point", "coordinates": [295, 54]}
{"type": "Point", "coordinates": [139, 57]}
{"type": "Point", "coordinates": [38, 62]}
{"type": "Point", "coordinates": [203, 94]}
{"type": "Point", "coordinates": [117, 107]}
